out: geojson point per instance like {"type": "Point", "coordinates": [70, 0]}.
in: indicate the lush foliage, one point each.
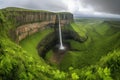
{"type": "Point", "coordinates": [98, 58]}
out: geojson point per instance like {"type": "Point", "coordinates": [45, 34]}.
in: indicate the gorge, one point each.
{"type": "Point", "coordinates": [30, 41]}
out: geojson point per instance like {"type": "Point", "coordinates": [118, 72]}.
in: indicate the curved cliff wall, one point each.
{"type": "Point", "coordinates": [28, 22]}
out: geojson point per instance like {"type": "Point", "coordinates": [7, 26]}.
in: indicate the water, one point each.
{"type": "Point", "coordinates": [60, 36]}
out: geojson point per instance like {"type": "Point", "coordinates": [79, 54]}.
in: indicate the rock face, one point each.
{"type": "Point", "coordinates": [51, 40]}
{"type": "Point", "coordinates": [28, 22]}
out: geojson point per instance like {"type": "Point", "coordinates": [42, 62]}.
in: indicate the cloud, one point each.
{"type": "Point", "coordinates": [108, 6]}
{"type": "Point", "coordinates": [106, 15]}
{"type": "Point", "coordinates": [97, 14]}
{"type": "Point", "coordinates": [101, 8]}
{"type": "Point", "coordinates": [53, 5]}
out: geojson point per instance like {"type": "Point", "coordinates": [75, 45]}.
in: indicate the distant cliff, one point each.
{"type": "Point", "coordinates": [28, 22]}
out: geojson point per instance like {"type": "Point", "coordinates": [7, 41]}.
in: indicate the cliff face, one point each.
{"type": "Point", "coordinates": [28, 22]}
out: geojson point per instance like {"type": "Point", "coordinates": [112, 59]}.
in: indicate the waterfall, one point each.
{"type": "Point", "coordinates": [60, 35]}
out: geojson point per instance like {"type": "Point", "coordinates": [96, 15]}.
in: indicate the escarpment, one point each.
{"type": "Point", "coordinates": [28, 22]}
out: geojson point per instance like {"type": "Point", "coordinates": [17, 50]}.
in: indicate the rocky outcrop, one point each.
{"type": "Point", "coordinates": [29, 29]}
{"type": "Point", "coordinates": [28, 22]}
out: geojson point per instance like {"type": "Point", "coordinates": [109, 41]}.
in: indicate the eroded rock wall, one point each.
{"type": "Point", "coordinates": [30, 22]}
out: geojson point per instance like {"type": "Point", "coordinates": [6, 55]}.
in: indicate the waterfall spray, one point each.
{"type": "Point", "coordinates": [60, 36]}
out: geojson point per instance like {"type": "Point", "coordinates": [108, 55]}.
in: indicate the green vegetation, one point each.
{"type": "Point", "coordinates": [18, 64]}
{"type": "Point", "coordinates": [98, 58]}
{"type": "Point", "coordinates": [22, 9]}
{"type": "Point", "coordinates": [31, 42]}
{"type": "Point", "coordinates": [79, 29]}
{"type": "Point", "coordinates": [103, 39]}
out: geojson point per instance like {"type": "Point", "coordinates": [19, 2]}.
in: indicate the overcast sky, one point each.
{"type": "Point", "coordinates": [77, 7]}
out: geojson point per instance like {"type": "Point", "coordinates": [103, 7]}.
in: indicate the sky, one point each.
{"type": "Point", "coordinates": [83, 8]}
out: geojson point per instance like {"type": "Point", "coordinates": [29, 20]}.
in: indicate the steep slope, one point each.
{"type": "Point", "coordinates": [103, 39]}
{"type": "Point", "coordinates": [16, 63]}
{"type": "Point", "coordinates": [96, 59]}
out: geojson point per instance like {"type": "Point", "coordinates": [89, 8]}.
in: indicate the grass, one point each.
{"type": "Point", "coordinates": [30, 43]}
{"type": "Point", "coordinates": [102, 39]}
{"type": "Point", "coordinates": [103, 44]}
{"type": "Point", "coordinates": [23, 9]}
{"type": "Point", "coordinates": [79, 29]}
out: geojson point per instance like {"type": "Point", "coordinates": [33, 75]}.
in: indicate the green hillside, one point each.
{"type": "Point", "coordinates": [22, 9]}
{"type": "Point", "coordinates": [97, 58]}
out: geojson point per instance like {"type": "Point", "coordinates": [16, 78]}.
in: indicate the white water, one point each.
{"type": "Point", "coordinates": [60, 36]}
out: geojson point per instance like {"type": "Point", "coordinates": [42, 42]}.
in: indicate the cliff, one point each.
{"type": "Point", "coordinates": [27, 22]}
